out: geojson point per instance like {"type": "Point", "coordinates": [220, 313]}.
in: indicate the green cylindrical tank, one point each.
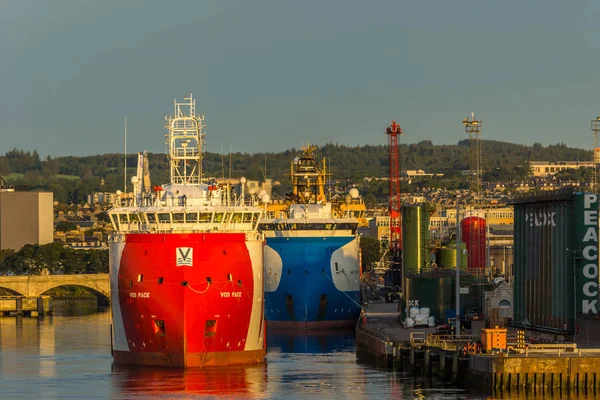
{"type": "Point", "coordinates": [415, 238]}
{"type": "Point", "coordinates": [447, 256]}
{"type": "Point", "coordinates": [436, 293]}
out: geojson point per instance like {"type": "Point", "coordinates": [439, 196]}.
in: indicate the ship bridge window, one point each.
{"type": "Point", "coordinates": [164, 218]}
{"type": "Point", "coordinates": [135, 218]}
{"type": "Point", "coordinates": [247, 217]}
{"type": "Point", "coordinates": [177, 217]}
{"type": "Point", "coordinates": [255, 219]}
{"type": "Point", "coordinates": [219, 217]}
{"type": "Point", "coordinates": [348, 226]}
{"type": "Point", "coordinates": [265, 227]}
{"type": "Point", "coordinates": [151, 218]}
{"type": "Point", "coordinates": [191, 217]}
{"type": "Point", "coordinates": [123, 218]}
{"type": "Point", "coordinates": [205, 217]}
{"type": "Point", "coordinates": [115, 221]}
{"type": "Point", "coordinates": [237, 217]}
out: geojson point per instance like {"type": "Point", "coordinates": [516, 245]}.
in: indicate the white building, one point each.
{"type": "Point", "coordinates": [550, 168]}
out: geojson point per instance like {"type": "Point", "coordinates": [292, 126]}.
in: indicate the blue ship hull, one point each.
{"type": "Point", "coordinates": [312, 282]}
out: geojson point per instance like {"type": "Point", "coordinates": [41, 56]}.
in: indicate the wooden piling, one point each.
{"type": "Point", "coordinates": [40, 305]}
{"type": "Point", "coordinates": [442, 371]}
{"type": "Point", "coordinates": [19, 304]}
{"type": "Point", "coordinates": [455, 366]}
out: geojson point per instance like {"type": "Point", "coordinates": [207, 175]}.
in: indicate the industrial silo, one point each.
{"type": "Point", "coordinates": [473, 234]}
{"type": "Point", "coordinates": [415, 238]}
{"type": "Point", "coordinates": [434, 292]}
{"type": "Point", "coordinates": [447, 256]}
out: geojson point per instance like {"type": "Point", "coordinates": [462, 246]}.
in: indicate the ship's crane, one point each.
{"type": "Point", "coordinates": [395, 208]}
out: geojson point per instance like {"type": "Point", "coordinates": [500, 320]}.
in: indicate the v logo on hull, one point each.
{"type": "Point", "coordinates": [185, 256]}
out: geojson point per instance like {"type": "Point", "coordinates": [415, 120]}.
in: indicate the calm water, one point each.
{"type": "Point", "coordinates": [68, 357]}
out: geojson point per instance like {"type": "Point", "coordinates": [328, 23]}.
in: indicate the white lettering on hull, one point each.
{"type": "Point", "coordinates": [231, 294]}
{"type": "Point", "coordinates": [139, 295]}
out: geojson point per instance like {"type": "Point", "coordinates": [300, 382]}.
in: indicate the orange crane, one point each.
{"type": "Point", "coordinates": [395, 208]}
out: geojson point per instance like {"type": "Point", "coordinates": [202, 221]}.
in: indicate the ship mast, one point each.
{"type": "Point", "coordinates": [185, 140]}
{"type": "Point", "coordinates": [308, 178]}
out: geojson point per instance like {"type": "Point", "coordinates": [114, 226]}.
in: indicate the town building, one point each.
{"type": "Point", "coordinates": [550, 168]}
{"type": "Point", "coordinates": [25, 218]}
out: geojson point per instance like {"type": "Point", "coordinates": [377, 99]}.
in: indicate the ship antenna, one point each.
{"type": "Point", "coordinates": [264, 170]}
{"type": "Point", "coordinates": [229, 160]}
{"type": "Point", "coordinates": [125, 160]}
{"type": "Point", "coordinates": [222, 163]}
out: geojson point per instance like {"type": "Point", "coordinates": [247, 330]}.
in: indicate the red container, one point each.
{"type": "Point", "coordinates": [473, 234]}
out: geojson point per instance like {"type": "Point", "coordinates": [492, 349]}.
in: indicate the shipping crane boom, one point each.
{"type": "Point", "coordinates": [395, 208]}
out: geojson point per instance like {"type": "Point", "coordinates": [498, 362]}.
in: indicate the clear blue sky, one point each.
{"type": "Point", "coordinates": [270, 75]}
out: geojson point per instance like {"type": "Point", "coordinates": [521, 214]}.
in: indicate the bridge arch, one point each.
{"type": "Point", "coordinates": [35, 285]}
{"type": "Point", "coordinates": [11, 290]}
{"type": "Point", "coordinates": [94, 290]}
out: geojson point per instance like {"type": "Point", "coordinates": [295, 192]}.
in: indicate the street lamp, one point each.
{"type": "Point", "coordinates": [507, 271]}
{"type": "Point", "coordinates": [473, 129]}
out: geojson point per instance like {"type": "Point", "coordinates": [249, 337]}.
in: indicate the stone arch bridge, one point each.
{"type": "Point", "coordinates": [35, 285]}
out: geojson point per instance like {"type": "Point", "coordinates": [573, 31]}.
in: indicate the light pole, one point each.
{"type": "Point", "coordinates": [507, 267]}
{"type": "Point", "coordinates": [473, 129]}
{"type": "Point", "coordinates": [458, 258]}
{"type": "Point", "coordinates": [504, 257]}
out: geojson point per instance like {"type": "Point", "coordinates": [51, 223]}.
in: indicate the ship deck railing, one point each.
{"type": "Point", "coordinates": [191, 227]}
{"type": "Point", "coordinates": [156, 200]}
{"type": "Point", "coordinates": [120, 236]}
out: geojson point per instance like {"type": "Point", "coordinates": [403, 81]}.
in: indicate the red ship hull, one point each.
{"type": "Point", "coordinates": [187, 300]}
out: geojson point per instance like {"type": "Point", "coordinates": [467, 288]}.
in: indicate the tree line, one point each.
{"type": "Point", "coordinates": [71, 179]}
{"type": "Point", "coordinates": [52, 258]}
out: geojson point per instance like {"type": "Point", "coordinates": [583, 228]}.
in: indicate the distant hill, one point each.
{"type": "Point", "coordinates": [72, 178]}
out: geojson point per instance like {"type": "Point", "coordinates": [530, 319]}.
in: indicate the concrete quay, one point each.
{"type": "Point", "coordinates": [544, 368]}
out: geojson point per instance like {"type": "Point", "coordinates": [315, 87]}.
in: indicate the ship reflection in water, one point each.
{"type": "Point", "coordinates": [286, 341]}
{"type": "Point", "coordinates": [235, 382]}
{"type": "Point", "coordinates": [248, 382]}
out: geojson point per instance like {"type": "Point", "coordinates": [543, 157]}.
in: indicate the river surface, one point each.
{"type": "Point", "coordinates": [67, 356]}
